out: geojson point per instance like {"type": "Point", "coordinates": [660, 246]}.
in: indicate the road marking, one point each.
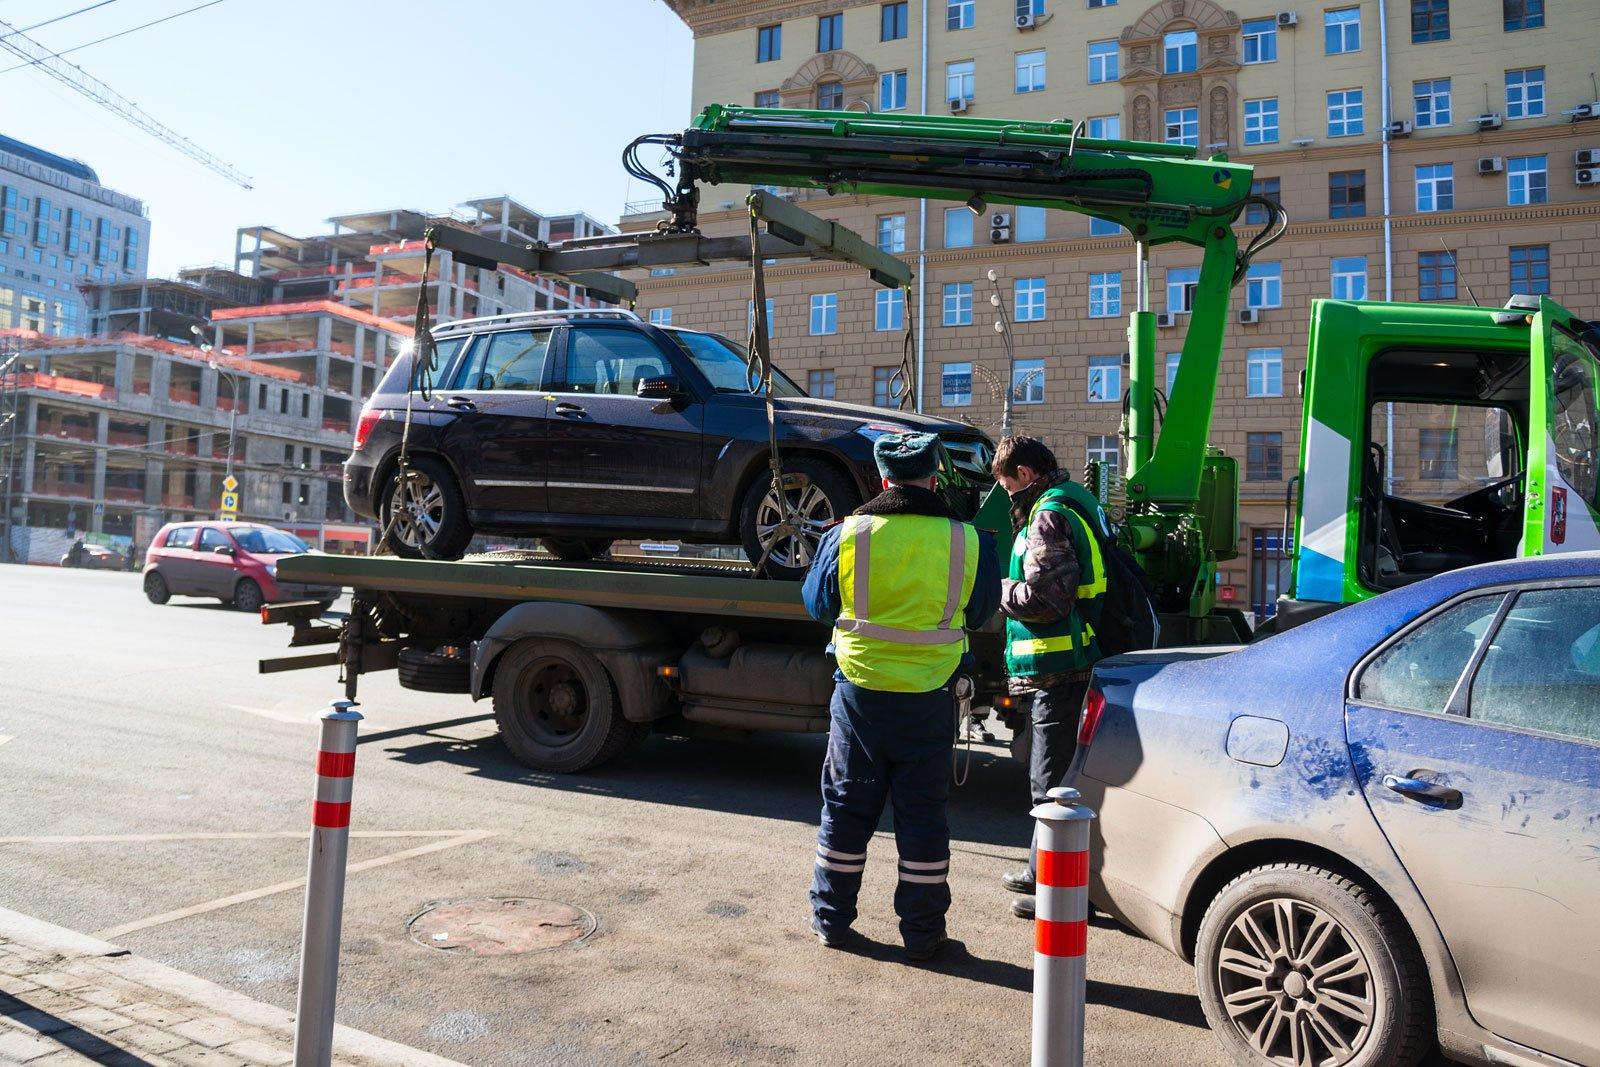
{"type": "Point", "coordinates": [294, 717]}
{"type": "Point", "coordinates": [112, 933]}
{"type": "Point", "coordinates": [137, 839]}
{"type": "Point", "coordinates": [6, 737]}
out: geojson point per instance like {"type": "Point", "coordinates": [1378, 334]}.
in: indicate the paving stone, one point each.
{"type": "Point", "coordinates": [15, 984]}
{"type": "Point", "coordinates": [156, 1014]}
{"type": "Point", "coordinates": [260, 1051]}
{"type": "Point", "coordinates": [212, 1032]}
{"type": "Point", "coordinates": [150, 1038]}
{"type": "Point", "coordinates": [60, 981]}
{"type": "Point", "coordinates": [97, 1020]}
{"type": "Point", "coordinates": [40, 1022]}
{"type": "Point", "coordinates": [191, 1056]}
{"type": "Point", "coordinates": [61, 1059]}
{"type": "Point", "coordinates": [20, 1046]}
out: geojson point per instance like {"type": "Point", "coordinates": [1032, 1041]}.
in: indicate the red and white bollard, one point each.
{"type": "Point", "coordinates": [330, 845]}
{"type": "Point", "coordinates": [1060, 929]}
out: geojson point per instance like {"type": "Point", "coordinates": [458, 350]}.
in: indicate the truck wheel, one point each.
{"type": "Point", "coordinates": [155, 588]}
{"type": "Point", "coordinates": [426, 517]}
{"type": "Point", "coordinates": [819, 496]}
{"type": "Point", "coordinates": [556, 707]}
{"type": "Point", "coordinates": [571, 550]}
{"type": "Point", "coordinates": [247, 596]}
{"type": "Point", "coordinates": [427, 671]}
{"type": "Point", "coordinates": [1297, 964]}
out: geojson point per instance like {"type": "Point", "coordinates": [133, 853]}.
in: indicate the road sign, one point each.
{"type": "Point", "coordinates": [230, 504]}
{"type": "Point", "coordinates": [99, 509]}
{"type": "Point", "coordinates": [230, 483]}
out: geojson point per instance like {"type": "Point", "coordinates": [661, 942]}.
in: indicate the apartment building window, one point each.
{"type": "Point", "coordinates": [1180, 52]}
{"type": "Point", "coordinates": [1105, 379]}
{"type": "Point", "coordinates": [768, 98]}
{"type": "Point", "coordinates": [1341, 31]}
{"type": "Point", "coordinates": [1523, 14]}
{"type": "Point", "coordinates": [1027, 381]}
{"type": "Point", "coordinates": [957, 227]}
{"type": "Point", "coordinates": [1027, 299]}
{"type": "Point", "coordinates": [824, 314]}
{"type": "Point", "coordinates": [822, 384]}
{"type": "Point", "coordinates": [1261, 121]}
{"type": "Point", "coordinates": [1030, 71]}
{"type": "Point", "coordinates": [1104, 449]}
{"type": "Point", "coordinates": [1430, 21]}
{"type": "Point", "coordinates": [892, 25]}
{"type": "Point", "coordinates": [1348, 277]}
{"type": "Point", "coordinates": [1347, 194]}
{"type": "Point", "coordinates": [889, 309]}
{"type": "Point", "coordinates": [661, 316]}
{"type": "Point", "coordinates": [1028, 224]}
{"type": "Point", "coordinates": [1105, 127]}
{"type": "Point", "coordinates": [955, 385]}
{"type": "Point", "coordinates": [1173, 359]}
{"type": "Point", "coordinates": [769, 43]}
{"type": "Point", "coordinates": [830, 96]}
{"type": "Point", "coordinates": [1181, 284]}
{"type": "Point", "coordinates": [1436, 276]}
{"type": "Point", "coordinates": [261, 404]}
{"type": "Point", "coordinates": [1183, 126]}
{"type": "Point", "coordinates": [830, 32]}
{"type": "Point", "coordinates": [892, 91]}
{"type": "Point", "coordinates": [1261, 40]}
{"type": "Point", "coordinates": [1432, 100]}
{"type": "Point", "coordinates": [1530, 269]}
{"type": "Point", "coordinates": [750, 316]}
{"type": "Point", "coordinates": [1527, 180]}
{"type": "Point", "coordinates": [891, 233]}
{"type": "Point", "coordinates": [1263, 457]}
{"type": "Point", "coordinates": [1103, 61]}
{"type": "Point", "coordinates": [1525, 93]}
{"type": "Point", "coordinates": [960, 14]}
{"type": "Point", "coordinates": [283, 402]}
{"type": "Point", "coordinates": [1101, 3]}
{"type": "Point", "coordinates": [1438, 455]}
{"type": "Point", "coordinates": [1256, 214]}
{"type": "Point", "coordinates": [1263, 285]}
{"type": "Point", "coordinates": [305, 405]}
{"type": "Point", "coordinates": [1436, 187]}
{"type": "Point", "coordinates": [1264, 372]}
{"type": "Point", "coordinates": [886, 388]}
{"type": "Point", "coordinates": [1031, 7]}
{"type": "Point", "coordinates": [1346, 115]}
{"type": "Point", "coordinates": [1105, 295]}
{"type": "Point", "coordinates": [958, 304]}
{"type": "Point", "coordinates": [960, 80]}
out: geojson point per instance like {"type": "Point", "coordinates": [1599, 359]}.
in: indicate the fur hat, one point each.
{"type": "Point", "coordinates": [907, 457]}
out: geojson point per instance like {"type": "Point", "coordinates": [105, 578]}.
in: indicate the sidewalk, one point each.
{"type": "Point", "coordinates": [67, 998]}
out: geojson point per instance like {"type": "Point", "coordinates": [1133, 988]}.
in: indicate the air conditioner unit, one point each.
{"type": "Point", "coordinates": [1400, 128]}
{"type": "Point", "coordinates": [1488, 121]}
{"type": "Point", "coordinates": [1584, 111]}
{"type": "Point", "coordinates": [1164, 319]}
{"type": "Point", "coordinates": [1000, 219]}
{"type": "Point", "coordinates": [999, 234]}
{"type": "Point", "coordinates": [1586, 157]}
{"type": "Point", "coordinates": [1249, 316]}
{"type": "Point", "coordinates": [959, 104]}
{"type": "Point", "coordinates": [1027, 20]}
{"type": "Point", "coordinates": [1288, 18]}
{"type": "Point", "coordinates": [1491, 164]}
{"type": "Point", "coordinates": [1587, 176]}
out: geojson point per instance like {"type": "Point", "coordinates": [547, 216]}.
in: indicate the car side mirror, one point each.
{"type": "Point", "coordinates": [223, 550]}
{"type": "Point", "coordinates": [664, 387]}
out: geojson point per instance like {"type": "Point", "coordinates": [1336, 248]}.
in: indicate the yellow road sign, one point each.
{"type": "Point", "coordinates": [230, 483]}
{"type": "Point", "coordinates": [230, 503]}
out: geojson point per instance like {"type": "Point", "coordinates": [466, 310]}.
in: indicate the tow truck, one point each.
{"type": "Point", "coordinates": [581, 660]}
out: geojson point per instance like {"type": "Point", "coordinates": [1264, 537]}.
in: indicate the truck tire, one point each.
{"type": "Point", "coordinates": [425, 671]}
{"type": "Point", "coordinates": [557, 708]}
{"type": "Point", "coordinates": [432, 521]}
{"type": "Point", "coordinates": [1291, 952]}
{"type": "Point", "coordinates": [820, 492]}
{"type": "Point", "coordinates": [572, 550]}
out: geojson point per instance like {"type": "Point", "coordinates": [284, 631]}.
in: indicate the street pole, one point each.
{"type": "Point", "coordinates": [1002, 326]}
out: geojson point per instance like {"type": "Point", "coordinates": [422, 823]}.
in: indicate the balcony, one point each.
{"type": "Point", "coordinates": [66, 433]}
{"type": "Point", "coordinates": [127, 494]}
{"type": "Point", "coordinates": [179, 395]}
{"type": "Point", "coordinates": [49, 487]}
{"type": "Point", "coordinates": [130, 438]}
{"type": "Point", "coordinates": [68, 386]}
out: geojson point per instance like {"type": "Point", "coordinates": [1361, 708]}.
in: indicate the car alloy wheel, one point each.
{"type": "Point", "coordinates": [794, 542]}
{"type": "Point", "coordinates": [418, 509]}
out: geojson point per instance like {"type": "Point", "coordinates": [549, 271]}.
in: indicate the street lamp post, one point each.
{"type": "Point", "coordinates": [233, 387]}
{"type": "Point", "coordinates": [1002, 326]}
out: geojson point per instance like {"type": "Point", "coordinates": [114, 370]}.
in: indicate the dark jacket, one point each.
{"type": "Point", "coordinates": [1048, 588]}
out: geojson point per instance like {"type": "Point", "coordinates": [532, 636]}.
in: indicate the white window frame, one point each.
{"type": "Point", "coordinates": [950, 399]}
{"type": "Point", "coordinates": [1266, 31]}
{"type": "Point", "coordinates": [1027, 300]}
{"type": "Point", "coordinates": [958, 213]}
{"type": "Point", "coordinates": [824, 314]}
{"type": "Point", "coordinates": [960, 14]}
{"type": "Point", "coordinates": [1105, 127]}
{"type": "Point", "coordinates": [1338, 22]}
{"type": "Point", "coordinates": [1261, 121]}
{"type": "Point", "coordinates": [960, 80]}
{"type": "Point", "coordinates": [889, 309]}
{"type": "Point", "coordinates": [1027, 381]}
{"type": "Point", "coordinates": [1105, 448]}
{"type": "Point", "coordinates": [1181, 285]}
{"type": "Point", "coordinates": [1264, 372]}
{"type": "Point", "coordinates": [957, 304]}
{"type": "Point", "coordinates": [750, 317]}
{"type": "Point", "coordinates": [1439, 184]}
{"type": "Point", "coordinates": [1104, 381]}
{"type": "Point", "coordinates": [1174, 359]}
{"type": "Point", "coordinates": [1528, 101]}
{"type": "Point", "coordinates": [1347, 113]}
{"type": "Point", "coordinates": [813, 385]}
{"type": "Point", "coordinates": [1105, 294]}
{"type": "Point", "coordinates": [1344, 279]}
{"type": "Point", "coordinates": [1263, 286]}
{"type": "Point", "coordinates": [1431, 104]}
{"type": "Point", "coordinates": [892, 90]}
{"type": "Point", "coordinates": [1187, 125]}
{"type": "Point", "coordinates": [1030, 71]}
{"type": "Point", "coordinates": [891, 233]}
{"type": "Point", "coordinates": [661, 316]}
{"type": "Point", "coordinates": [1527, 180]}
{"type": "Point", "coordinates": [1028, 224]}
{"type": "Point", "coordinates": [1105, 65]}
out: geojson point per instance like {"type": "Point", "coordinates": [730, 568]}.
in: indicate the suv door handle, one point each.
{"type": "Point", "coordinates": [565, 408]}
{"type": "Point", "coordinates": [461, 403]}
{"type": "Point", "coordinates": [1418, 789]}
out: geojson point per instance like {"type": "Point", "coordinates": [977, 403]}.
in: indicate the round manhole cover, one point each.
{"type": "Point", "coordinates": [501, 926]}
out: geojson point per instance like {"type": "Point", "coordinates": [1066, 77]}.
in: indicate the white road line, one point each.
{"type": "Point", "coordinates": [138, 839]}
{"type": "Point", "coordinates": [6, 737]}
{"type": "Point", "coordinates": [294, 717]}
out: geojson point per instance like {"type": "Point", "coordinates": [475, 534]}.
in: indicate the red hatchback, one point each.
{"type": "Point", "coordinates": [232, 561]}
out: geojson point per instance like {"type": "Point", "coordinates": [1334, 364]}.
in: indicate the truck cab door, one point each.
{"type": "Point", "coordinates": [1564, 445]}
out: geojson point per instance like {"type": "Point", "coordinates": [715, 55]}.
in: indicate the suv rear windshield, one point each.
{"type": "Point", "coordinates": [266, 539]}
{"type": "Point", "coordinates": [726, 365]}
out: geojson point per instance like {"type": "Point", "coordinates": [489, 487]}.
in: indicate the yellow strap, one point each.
{"type": "Point", "coordinates": [1038, 646]}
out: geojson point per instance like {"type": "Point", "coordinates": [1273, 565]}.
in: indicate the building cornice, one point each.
{"type": "Point", "coordinates": [706, 17]}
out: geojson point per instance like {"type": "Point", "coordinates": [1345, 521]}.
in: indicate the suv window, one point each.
{"type": "Point", "coordinates": [398, 377]}
{"type": "Point", "coordinates": [1419, 672]}
{"type": "Point", "coordinates": [610, 362]}
{"type": "Point", "coordinates": [1542, 670]}
{"type": "Point", "coordinates": [180, 537]}
{"type": "Point", "coordinates": [511, 360]}
{"type": "Point", "coordinates": [211, 538]}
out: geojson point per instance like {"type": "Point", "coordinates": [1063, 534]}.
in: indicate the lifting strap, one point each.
{"type": "Point", "coordinates": [905, 374]}
{"type": "Point", "coordinates": [758, 377]}
{"type": "Point", "coordinates": [424, 361]}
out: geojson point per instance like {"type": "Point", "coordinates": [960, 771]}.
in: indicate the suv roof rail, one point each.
{"type": "Point", "coordinates": [559, 313]}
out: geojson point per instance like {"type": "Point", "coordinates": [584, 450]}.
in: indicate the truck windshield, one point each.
{"type": "Point", "coordinates": [725, 364]}
{"type": "Point", "coordinates": [266, 539]}
{"type": "Point", "coordinates": [1573, 423]}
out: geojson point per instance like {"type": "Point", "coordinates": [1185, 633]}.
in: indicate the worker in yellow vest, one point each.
{"type": "Point", "coordinates": [901, 581]}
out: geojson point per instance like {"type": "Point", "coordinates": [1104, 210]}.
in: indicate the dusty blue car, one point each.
{"type": "Point", "coordinates": [1374, 834]}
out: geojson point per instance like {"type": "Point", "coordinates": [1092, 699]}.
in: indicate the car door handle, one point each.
{"type": "Point", "coordinates": [1418, 789]}
{"type": "Point", "coordinates": [461, 403]}
{"type": "Point", "coordinates": [570, 409]}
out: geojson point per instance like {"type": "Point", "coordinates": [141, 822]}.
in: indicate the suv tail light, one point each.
{"type": "Point", "coordinates": [364, 426]}
{"type": "Point", "coordinates": [1094, 708]}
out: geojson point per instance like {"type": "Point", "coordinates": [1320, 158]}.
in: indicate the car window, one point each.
{"type": "Point", "coordinates": [1542, 670]}
{"type": "Point", "coordinates": [182, 537]}
{"type": "Point", "coordinates": [397, 379]}
{"type": "Point", "coordinates": [610, 362]}
{"type": "Point", "coordinates": [512, 360]}
{"type": "Point", "coordinates": [211, 538]}
{"type": "Point", "coordinates": [725, 364]}
{"type": "Point", "coordinates": [267, 539]}
{"type": "Point", "coordinates": [1420, 671]}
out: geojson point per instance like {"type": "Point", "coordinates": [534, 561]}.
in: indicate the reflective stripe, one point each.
{"type": "Point", "coordinates": [1095, 588]}
{"type": "Point", "coordinates": [832, 855]}
{"type": "Point", "coordinates": [843, 868]}
{"type": "Point", "coordinates": [941, 636]}
{"type": "Point", "coordinates": [930, 879]}
{"type": "Point", "coordinates": [855, 618]}
{"type": "Point", "coordinates": [918, 865]}
{"type": "Point", "coordinates": [860, 534]}
{"type": "Point", "coordinates": [1038, 646]}
{"type": "Point", "coordinates": [958, 570]}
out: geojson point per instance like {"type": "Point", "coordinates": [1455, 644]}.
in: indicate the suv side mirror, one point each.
{"type": "Point", "coordinates": [665, 387]}
{"type": "Point", "coordinates": [223, 550]}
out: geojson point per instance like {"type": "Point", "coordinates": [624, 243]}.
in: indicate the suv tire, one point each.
{"type": "Point", "coordinates": [571, 550]}
{"type": "Point", "coordinates": [818, 491]}
{"type": "Point", "coordinates": [155, 588]}
{"type": "Point", "coordinates": [556, 707]}
{"type": "Point", "coordinates": [247, 596]}
{"type": "Point", "coordinates": [434, 523]}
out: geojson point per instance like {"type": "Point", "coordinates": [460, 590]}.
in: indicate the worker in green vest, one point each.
{"type": "Point", "coordinates": [900, 581]}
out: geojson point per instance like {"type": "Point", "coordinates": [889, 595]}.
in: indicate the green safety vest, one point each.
{"type": "Point", "coordinates": [904, 581]}
{"type": "Point", "coordinates": [1034, 649]}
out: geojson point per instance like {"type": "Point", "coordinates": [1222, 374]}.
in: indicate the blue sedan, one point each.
{"type": "Point", "coordinates": [1375, 833]}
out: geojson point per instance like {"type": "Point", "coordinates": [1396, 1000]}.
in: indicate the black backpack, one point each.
{"type": "Point", "coordinates": [1127, 621]}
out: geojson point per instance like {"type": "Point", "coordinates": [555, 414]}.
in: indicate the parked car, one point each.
{"type": "Point", "coordinates": [94, 557]}
{"type": "Point", "coordinates": [1374, 832]}
{"type": "Point", "coordinates": [235, 562]}
{"type": "Point", "coordinates": [581, 427]}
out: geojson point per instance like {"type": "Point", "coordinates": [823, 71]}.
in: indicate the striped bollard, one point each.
{"type": "Point", "coordinates": [330, 843]}
{"type": "Point", "coordinates": [1060, 929]}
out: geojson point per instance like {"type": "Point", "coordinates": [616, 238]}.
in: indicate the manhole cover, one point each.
{"type": "Point", "coordinates": [500, 926]}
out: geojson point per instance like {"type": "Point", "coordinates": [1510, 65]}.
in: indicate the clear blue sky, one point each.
{"type": "Point", "coordinates": [338, 106]}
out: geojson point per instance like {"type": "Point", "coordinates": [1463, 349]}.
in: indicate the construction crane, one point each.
{"type": "Point", "coordinates": [77, 79]}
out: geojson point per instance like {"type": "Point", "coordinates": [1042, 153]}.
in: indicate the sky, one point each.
{"type": "Point", "coordinates": [337, 106]}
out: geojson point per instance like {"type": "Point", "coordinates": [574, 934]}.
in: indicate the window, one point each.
{"type": "Point", "coordinates": [1181, 284]}
{"type": "Point", "coordinates": [1103, 227]}
{"type": "Point", "coordinates": [1031, 7]}
{"type": "Point", "coordinates": [1028, 223]}
{"type": "Point", "coordinates": [1419, 672]}
{"type": "Point", "coordinates": [1261, 121]}
{"type": "Point", "coordinates": [750, 317]}
{"type": "Point", "coordinates": [1345, 113]}
{"type": "Point", "coordinates": [1432, 100]}
{"type": "Point", "coordinates": [769, 43]}
{"type": "Point", "coordinates": [1436, 276]}
{"type": "Point", "coordinates": [1105, 295]}
{"type": "Point", "coordinates": [1264, 372]}
{"type": "Point", "coordinates": [1430, 21]}
{"type": "Point", "coordinates": [1255, 214]}
{"type": "Point", "coordinates": [1264, 285]}
{"type": "Point", "coordinates": [1530, 269]}
{"type": "Point", "coordinates": [1527, 180]}
{"type": "Point", "coordinates": [1546, 658]}
{"type": "Point", "coordinates": [768, 98]}
{"type": "Point", "coordinates": [830, 32]}
{"type": "Point", "coordinates": [1027, 298]}
{"type": "Point", "coordinates": [1436, 449]}
{"type": "Point", "coordinates": [889, 309]}
{"type": "Point", "coordinates": [661, 316]}
{"type": "Point", "coordinates": [887, 387]}
{"type": "Point", "coordinates": [1027, 381]}
{"type": "Point", "coordinates": [1103, 61]}
{"type": "Point", "coordinates": [1173, 359]}
{"type": "Point", "coordinates": [1436, 187]}
{"type": "Point", "coordinates": [1030, 71]}
{"type": "Point", "coordinates": [1105, 379]}
{"type": "Point", "coordinates": [1263, 457]}
{"type": "Point", "coordinates": [1525, 93]}
{"type": "Point", "coordinates": [1523, 14]}
{"type": "Point", "coordinates": [822, 383]}
{"type": "Point", "coordinates": [1180, 52]}
{"type": "Point", "coordinates": [824, 313]}
{"type": "Point", "coordinates": [1347, 194]}
{"type": "Point", "coordinates": [1105, 127]}
{"type": "Point", "coordinates": [211, 539]}
{"type": "Point", "coordinates": [1104, 449]}
{"type": "Point", "coordinates": [891, 233]}
{"type": "Point", "coordinates": [958, 304]}
{"type": "Point", "coordinates": [960, 14]}
{"type": "Point", "coordinates": [1349, 278]}
{"type": "Point", "coordinates": [283, 402]}
{"type": "Point", "coordinates": [1260, 40]}
{"type": "Point", "coordinates": [608, 362]}
{"type": "Point", "coordinates": [1341, 31]}
{"type": "Point", "coordinates": [892, 25]}
{"type": "Point", "coordinates": [892, 91]}
{"type": "Point", "coordinates": [1183, 126]}
{"type": "Point", "coordinates": [960, 80]}
{"type": "Point", "coordinates": [1101, 3]}
{"type": "Point", "coordinates": [955, 385]}
{"type": "Point", "coordinates": [830, 96]}
{"type": "Point", "coordinates": [957, 227]}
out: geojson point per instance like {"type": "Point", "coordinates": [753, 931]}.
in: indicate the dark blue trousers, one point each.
{"type": "Point", "coordinates": [882, 747]}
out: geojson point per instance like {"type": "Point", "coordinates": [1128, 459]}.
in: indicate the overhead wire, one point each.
{"type": "Point", "coordinates": [62, 18]}
{"type": "Point", "coordinates": [111, 36]}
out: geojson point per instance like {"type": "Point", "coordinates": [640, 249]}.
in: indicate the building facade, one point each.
{"type": "Point", "coordinates": [1456, 170]}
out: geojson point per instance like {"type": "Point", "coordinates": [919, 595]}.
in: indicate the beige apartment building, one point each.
{"type": "Point", "coordinates": [1477, 185]}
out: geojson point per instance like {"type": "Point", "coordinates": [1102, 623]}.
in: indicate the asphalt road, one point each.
{"type": "Point", "coordinates": [154, 788]}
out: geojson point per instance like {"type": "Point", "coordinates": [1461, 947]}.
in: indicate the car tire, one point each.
{"type": "Point", "coordinates": [247, 596]}
{"type": "Point", "coordinates": [557, 708]}
{"type": "Point", "coordinates": [1272, 930]}
{"type": "Point", "coordinates": [818, 490]}
{"type": "Point", "coordinates": [434, 524]}
{"type": "Point", "coordinates": [155, 588]}
{"type": "Point", "coordinates": [426, 671]}
{"type": "Point", "coordinates": [572, 550]}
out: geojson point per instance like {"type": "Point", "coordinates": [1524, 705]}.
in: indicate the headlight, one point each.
{"type": "Point", "coordinates": [873, 430]}
{"type": "Point", "coordinates": [272, 570]}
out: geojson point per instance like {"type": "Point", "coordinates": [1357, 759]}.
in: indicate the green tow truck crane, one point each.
{"type": "Point", "coordinates": [582, 659]}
